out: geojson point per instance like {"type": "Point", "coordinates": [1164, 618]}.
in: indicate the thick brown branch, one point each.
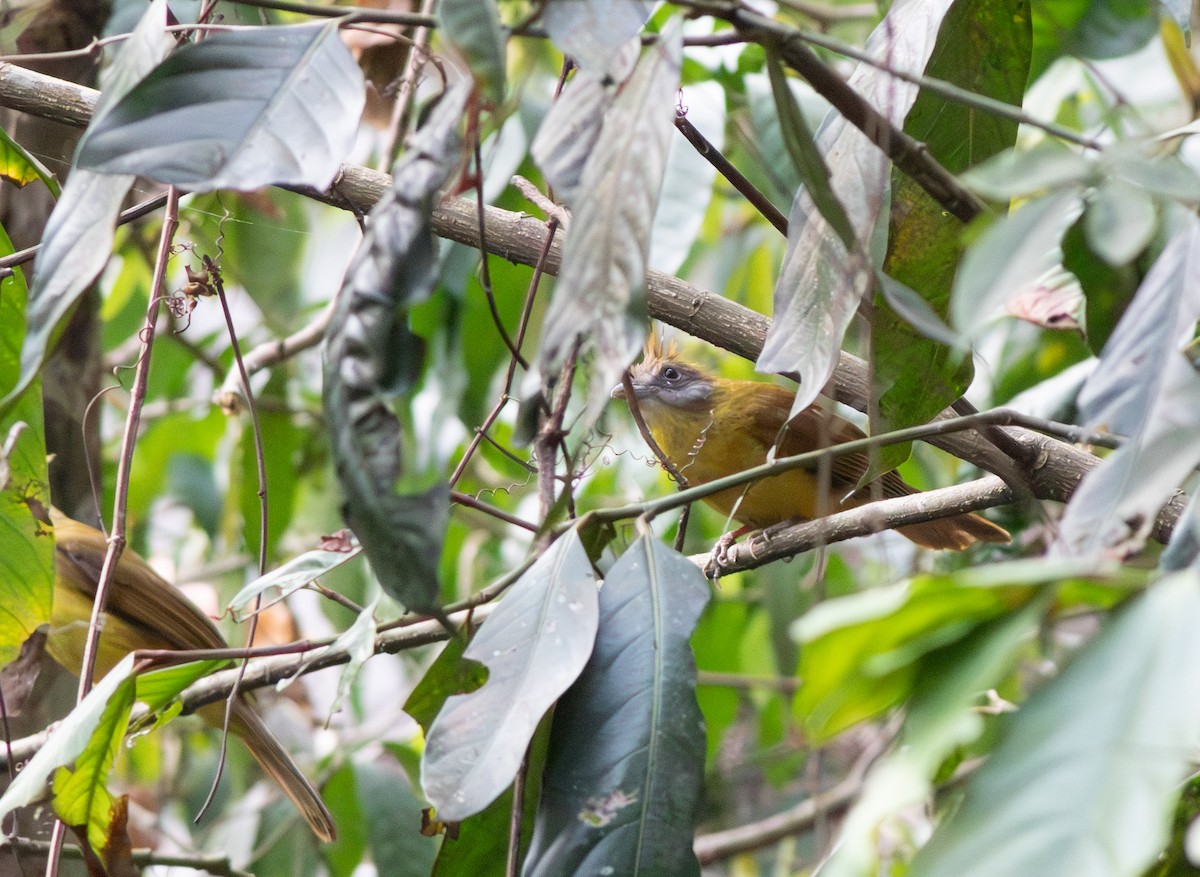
{"type": "Point", "coordinates": [1056, 467]}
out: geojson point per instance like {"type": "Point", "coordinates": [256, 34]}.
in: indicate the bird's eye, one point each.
{"type": "Point", "coordinates": [670, 373]}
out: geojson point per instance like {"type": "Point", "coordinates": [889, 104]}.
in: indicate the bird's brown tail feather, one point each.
{"type": "Point", "coordinates": [956, 533]}
{"type": "Point", "coordinates": [277, 764]}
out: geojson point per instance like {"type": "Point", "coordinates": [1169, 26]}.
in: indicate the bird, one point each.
{"type": "Point", "coordinates": [710, 427]}
{"type": "Point", "coordinates": [144, 611]}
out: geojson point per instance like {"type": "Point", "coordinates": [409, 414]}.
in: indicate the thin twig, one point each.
{"type": "Point", "coordinates": [485, 274]}
{"type": "Point", "coordinates": [736, 178]}
{"type": "Point", "coordinates": [378, 16]}
{"type": "Point", "coordinates": [468, 501]}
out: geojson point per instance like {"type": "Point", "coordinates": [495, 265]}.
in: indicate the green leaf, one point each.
{"type": "Point", "coordinates": [1087, 772]}
{"type": "Point", "coordinates": [481, 846]}
{"type": "Point", "coordinates": [396, 503]}
{"type": "Point", "coordinates": [80, 796]}
{"type": "Point", "coordinates": [943, 716]}
{"type": "Point", "coordinates": [599, 301]}
{"type": "Point", "coordinates": [19, 166]}
{"type": "Point", "coordinates": [1108, 290]}
{"type": "Point", "coordinates": [1011, 254]}
{"type": "Point", "coordinates": [1046, 167]}
{"type": "Point", "coordinates": [192, 122]}
{"type": "Point", "coordinates": [473, 28]}
{"type": "Point", "coordinates": [623, 780]}
{"type": "Point", "coordinates": [69, 738]}
{"type": "Point", "coordinates": [27, 569]}
{"type": "Point", "coordinates": [1157, 404]}
{"type": "Point", "coordinates": [806, 157]}
{"type": "Point", "coordinates": [450, 674]}
{"type": "Point", "coordinates": [1120, 221]}
{"type": "Point", "coordinates": [982, 45]}
{"type": "Point", "coordinates": [820, 283]}
{"type": "Point", "coordinates": [861, 654]}
{"type": "Point", "coordinates": [534, 645]}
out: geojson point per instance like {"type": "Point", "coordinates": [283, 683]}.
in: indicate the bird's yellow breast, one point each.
{"type": "Point", "coordinates": [705, 445]}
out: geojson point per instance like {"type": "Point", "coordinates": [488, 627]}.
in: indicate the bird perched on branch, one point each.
{"type": "Point", "coordinates": [145, 612]}
{"type": "Point", "coordinates": [710, 427]}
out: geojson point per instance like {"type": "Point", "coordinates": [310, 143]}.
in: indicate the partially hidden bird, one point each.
{"type": "Point", "coordinates": [710, 427]}
{"type": "Point", "coordinates": [144, 611]}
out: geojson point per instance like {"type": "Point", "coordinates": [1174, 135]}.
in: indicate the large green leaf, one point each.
{"type": "Point", "coordinates": [862, 654]}
{"type": "Point", "coordinates": [623, 779]}
{"type": "Point", "coordinates": [396, 503]}
{"type": "Point", "coordinates": [943, 716]}
{"type": "Point", "coordinates": [983, 45]}
{"type": "Point", "coordinates": [26, 559]}
{"type": "Point", "coordinates": [241, 109]}
{"type": "Point", "coordinates": [534, 647]}
{"type": "Point", "coordinates": [1086, 775]}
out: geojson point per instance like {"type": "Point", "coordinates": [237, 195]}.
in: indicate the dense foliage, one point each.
{"type": "Point", "coordinates": [974, 221]}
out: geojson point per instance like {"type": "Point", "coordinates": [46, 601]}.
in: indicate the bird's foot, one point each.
{"type": "Point", "coordinates": [719, 557]}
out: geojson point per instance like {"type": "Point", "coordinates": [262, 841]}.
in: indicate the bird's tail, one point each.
{"type": "Point", "coordinates": [955, 534]}
{"type": "Point", "coordinates": [277, 764]}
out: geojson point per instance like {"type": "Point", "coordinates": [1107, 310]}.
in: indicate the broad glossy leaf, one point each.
{"type": "Point", "coordinates": [473, 28]}
{"type": "Point", "coordinates": [591, 32]}
{"type": "Point", "coordinates": [599, 300]}
{"type": "Point", "coordinates": [371, 356]}
{"type": "Point", "coordinates": [1086, 774]}
{"type": "Point", "coordinates": [1011, 254]}
{"type": "Point", "coordinates": [982, 45]}
{"type": "Point", "coordinates": [242, 109]}
{"type": "Point", "coordinates": [79, 234]}
{"type": "Point", "coordinates": [534, 647]}
{"type": "Point", "coordinates": [622, 784]}
{"type": "Point", "coordinates": [820, 286]}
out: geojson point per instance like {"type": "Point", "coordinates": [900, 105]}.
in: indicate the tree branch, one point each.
{"type": "Point", "coordinates": [1056, 467]}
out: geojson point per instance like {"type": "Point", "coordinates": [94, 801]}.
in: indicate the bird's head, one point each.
{"type": "Point", "coordinates": [663, 380]}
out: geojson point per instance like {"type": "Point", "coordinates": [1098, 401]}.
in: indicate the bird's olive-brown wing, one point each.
{"type": "Point", "coordinates": [810, 430]}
